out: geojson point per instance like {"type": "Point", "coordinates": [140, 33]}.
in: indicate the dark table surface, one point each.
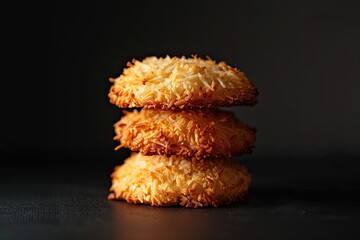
{"type": "Point", "coordinates": [59, 202]}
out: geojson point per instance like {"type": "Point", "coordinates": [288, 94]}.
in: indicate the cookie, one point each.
{"type": "Point", "coordinates": [176, 83]}
{"type": "Point", "coordinates": [199, 133]}
{"type": "Point", "coordinates": [165, 181]}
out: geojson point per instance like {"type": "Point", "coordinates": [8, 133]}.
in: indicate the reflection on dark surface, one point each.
{"type": "Point", "coordinates": [142, 222]}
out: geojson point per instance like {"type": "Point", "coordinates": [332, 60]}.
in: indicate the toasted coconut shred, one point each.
{"type": "Point", "coordinates": [199, 133]}
{"type": "Point", "coordinates": [164, 181]}
{"type": "Point", "coordinates": [172, 83]}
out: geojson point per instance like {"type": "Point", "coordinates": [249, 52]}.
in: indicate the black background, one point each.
{"type": "Point", "coordinates": [303, 56]}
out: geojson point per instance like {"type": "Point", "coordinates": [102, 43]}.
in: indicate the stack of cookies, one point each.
{"type": "Point", "coordinates": [183, 146]}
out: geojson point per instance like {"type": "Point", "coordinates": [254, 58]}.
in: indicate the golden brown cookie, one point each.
{"type": "Point", "coordinates": [199, 133]}
{"type": "Point", "coordinates": [173, 83]}
{"type": "Point", "coordinates": [164, 181]}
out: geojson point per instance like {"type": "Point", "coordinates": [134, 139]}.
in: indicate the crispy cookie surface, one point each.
{"type": "Point", "coordinates": [199, 133]}
{"type": "Point", "coordinates": [172, 83]}
{"type": "Point", "coordinates": [165, 181]}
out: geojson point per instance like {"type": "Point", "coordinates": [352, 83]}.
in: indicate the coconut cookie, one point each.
{"type": "Point", "coordinates": [175, 83]}
{"type": "Point", "coordinates": [165, 181]}
{"type": "Point", "coordinates": [199, 133]}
